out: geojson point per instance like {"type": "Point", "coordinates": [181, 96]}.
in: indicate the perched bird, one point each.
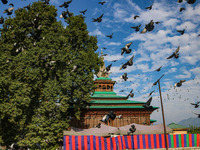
{"type": "Point", "coordinates": [175, 54]}
{"type": "Point", "coordinates": [149, 8]}
{"type": "Point", "coordinates": [110, 36]}
{"type": "Point", "coordinates": [148, 103]}
{"type": "Point", "coordinates": [4, 1]}
{"type": "Point", "coordinates": [83, 12]}
{"type": "Point", "coordinates": [1, 20]}
{"type": "Point", "coordinates": [131, 130]}
{"type": "Point", "coordinates": [137, 28]}
{"type": "Point", "coordinates": [99, 19]}
{"type": "Point", "coordinates": [112, 115]}
{"type": "Point", "coordinates": [128, 63]}
{"type": "Point", "coordinates": [9, 10]}
{"type": "Point", "coordinates": [181, 31]}
{"type": "Point", "coordinates": [151, 93]}
{"type": "Point", "coordinates": [131, 94]}
{"type": "Point", "coordinates": [196, 114]}
{"type": "Point", "coordinates": [102, 3]}
{"type": "Point", "coordinates": [196, 105]}
{"type": "Point", "coordinates": [158, 69]}
{"type": "Point", "coordinates": [124, 77]}
{"type": "Point", "coordinates": [108, 67]}
{"type": "Point", "coordinates": [126, 49]}
{"type": "Point", "coordinates": [98, 126]}
{"type": "Point", "coordinates": [178, 84]}
{"type": "Point", "coordinates": [181, 9]}
{"type": "Point", "coordinates": [136, 17]}
{"type": "Point", "coordinates": [191, 1]}
{"type": "Point", "coordinates": [157, 80]}
{"type": "Point", "coordinates": [66, 4]}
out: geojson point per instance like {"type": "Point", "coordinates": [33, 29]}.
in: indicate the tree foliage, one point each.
{"type": "Point", "coordinates": [44, 66]}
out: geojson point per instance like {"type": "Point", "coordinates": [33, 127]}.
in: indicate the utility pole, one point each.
{"type": "Point", "coordinates": [163, 116]}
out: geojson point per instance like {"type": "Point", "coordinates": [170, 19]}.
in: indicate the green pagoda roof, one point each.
{"type": "Point", "coordinates": [105, 94]}
{"type": "Point", "coordinates": [103, 78]}
{"type": "Point", "coordinates": [108, 107]}
{"type": "Point", "coordinates": [176, 126]}
{"type": "Point", "coordinates": [115, 101]}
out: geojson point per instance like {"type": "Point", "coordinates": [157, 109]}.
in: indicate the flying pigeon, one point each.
{"type": "Point", "coordinates": [99, 19]}
{"type": "Point", "coordinates": [148, 103]}
{"type": "Point", "coordinates": [128, 63]}
{"type": "Point", "coordinates": [180, 1]}
{"type": "Point", "coordinates": [114, 60]}
{"type": "Point", "coordinates": [104, 48]}
{"type": "Point", "coordinates": [136, 17]}
{"type": "Point", "coordinates": [83, 12]}
{"type": "Point", "coordinates": [181, 9]}
{"type": "Point", "coordinates": [149, 8]}
{"type": "Point", "coordinates": [151, 93]}
{"type": "Point", "coordinates": [101, 3]}
{"type": "Point", "coordinates": [148, 27]}
{"type": "Point", "coordinates": [137, 28]}
{"type": "Point", "coordinates": [178, 84]}
{"type": "Point", "coordinates": [124, 77]}
{"type": "Point", "coordinates": [110, 36]}
{"type": "Point", "coordinates": [66, 4]}
{"type": "Point", "coordinates": [4, 1]}
{"type": "Point", "coordinates": [108, 68]}
{"type": "Point", "coordinates": [158, 69]}
{"type": "Point", "coordinates": [9, 10]}
{"type": "Point", "coordinates": [191, 1]}
{"type": "Point", "coordinates": [131, 94]}
{"type": "Point", "coordinates": [126, 49]}
{"type": "Point", "coordinates": [157, 22]}
{"type": "Point", "coordinates": [181, 31]}
{"type": "Point", "coordinates": [175, 54]}
{"type": "Point", "coordinates": [196, 105]}
{"type": "Point", "coordinates": [196, 114]}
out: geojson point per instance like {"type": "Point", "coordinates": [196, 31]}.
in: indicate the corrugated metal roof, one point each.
{"type": "Point", "coordinates": [108, 107]}
{"type": "Point", "coordinates": [103, 78]}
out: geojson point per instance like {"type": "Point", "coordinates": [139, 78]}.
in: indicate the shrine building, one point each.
{"type": "Point", "coordinates": [104, 100]}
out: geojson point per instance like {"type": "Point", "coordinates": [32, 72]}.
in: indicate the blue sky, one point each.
{"type": "Point", "coordinates": [150, 49]}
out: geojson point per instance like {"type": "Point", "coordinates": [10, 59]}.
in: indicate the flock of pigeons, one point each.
{"type": "Point", "coordinates": [125, 50]}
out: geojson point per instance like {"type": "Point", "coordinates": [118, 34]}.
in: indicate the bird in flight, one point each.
{"type": "Point", "coordinates": [148, 27]}
{"type": "Point", "coordinates": [158, 69]}
{"type": "Point", "coordinates": [110, 36]}
{"type": "Point", "coordinates": [83, 12]}
{"type": "Point", "coordinates": [102, 3]}
{"type": "Point", "coordinates": [196, 114]}
{"type": "Point", "coordinates": [178, 84]}
{"type": "Point", "coordinates": [124, 77]}
{"type": "Point", "coordinates": [191, 1]}
{"type": "Point", "coordinates": [148, 103]}
{"type": "Point", "coordinates": [175, 54]}
{"type": "Point", "coordinates": [149, 8]}
{"type": "Point", "coordinates": [4, 1]}
{"type": "Point", "coordinates": [196, 105]}
{"type": "Point", "coordinates": [131, 94]}
{"type": "Point", "coordinates": [181, 9]}
{"type": "Point", "coordinates": [135, 17]}
{"type": "Point", "coordinates": [99, 19]}
{"type": "Point", "coordinates": [9, 10]}
{"type": "Point", "coordinates": [66, 4]}
{"type": "Point", "coordinates": [128, 63]}
{"type": "Point", "coordinates": [137, 28]}
{"type": "Point", "coordinates": [181, 31]}
{"type": "Point", "coordinates": [126, 49]}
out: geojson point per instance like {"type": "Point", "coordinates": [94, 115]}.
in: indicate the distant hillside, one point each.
{"type": "Point", "coordinates": [190, 122]}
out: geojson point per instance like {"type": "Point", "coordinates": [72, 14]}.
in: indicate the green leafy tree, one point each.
{"type": "Point", "coordinates": [44, 68]}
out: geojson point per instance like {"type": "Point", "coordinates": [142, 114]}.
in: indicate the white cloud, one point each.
{"type": "Point", "coordinates": [96, 32]}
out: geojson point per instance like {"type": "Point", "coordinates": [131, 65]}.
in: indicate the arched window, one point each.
{"type": "Point", "coordinates": [99, 87]}
{"type": "Point", "coordinates": [108, 87]}
{"type": "Point", "coordinates": [104, 86]}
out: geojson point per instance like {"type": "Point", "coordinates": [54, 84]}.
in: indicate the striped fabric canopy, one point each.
{"type": "Point", "coordinates": [147, 141]}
